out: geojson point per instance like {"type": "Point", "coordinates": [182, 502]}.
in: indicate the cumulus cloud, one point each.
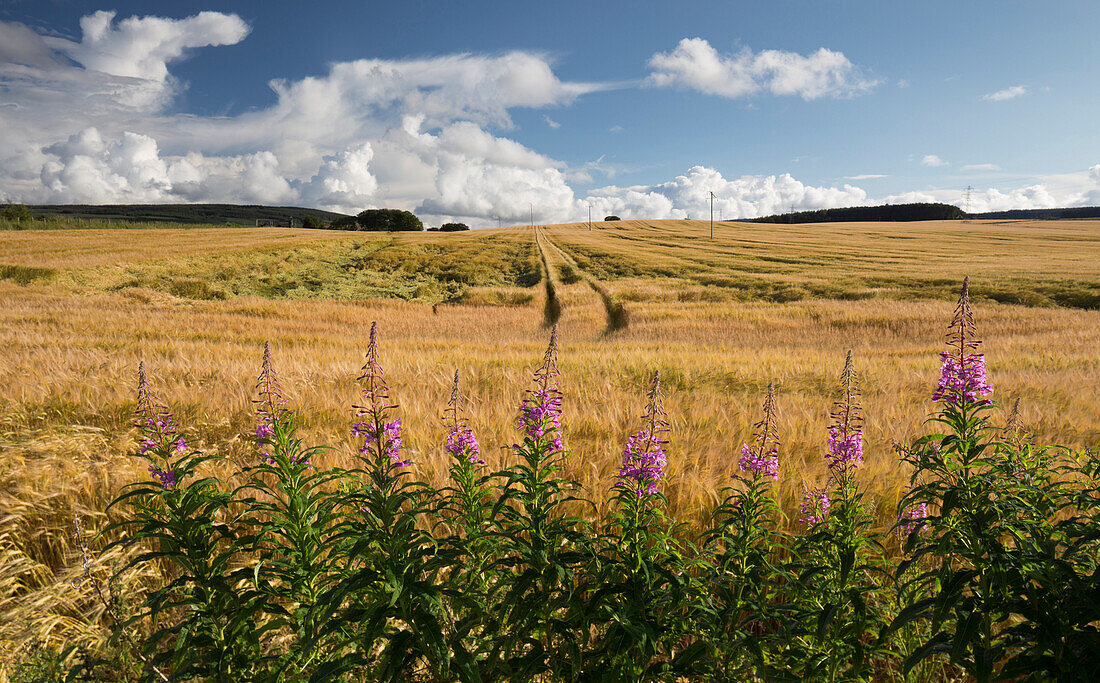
{"type": "Point", "coordinates": [1006, 94]}
{"type": "Point", "coordinates": [688, 196]}
{"type": "Point", "coordinates": [695, 65]}
{"type": "Point", "coordinates": [90, 121]}
{"type": "Point", "coordinates": [933, 161]}
{"type": "Point", "coordinates": [1066, 189]}
{"type": "Point", "coordinates": [142, 47]}
{"type": "Point", "coordinates": [369, 132]}
{"type": "Point", "coordinates": [87, 169]}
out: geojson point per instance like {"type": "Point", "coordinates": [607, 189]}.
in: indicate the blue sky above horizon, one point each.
{"type": "Point", "coordinates": [474, 110]}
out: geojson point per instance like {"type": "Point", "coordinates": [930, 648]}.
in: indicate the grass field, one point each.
{"type": "Point", "coordinates": [720, 319]}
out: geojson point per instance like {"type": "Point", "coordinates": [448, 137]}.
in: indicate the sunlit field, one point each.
{"type": "Point", "coordinates": [720, 319]}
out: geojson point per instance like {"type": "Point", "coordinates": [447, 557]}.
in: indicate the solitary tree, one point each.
{"type": "Point", "coordinates": [453, 227]}
{"type": "Point", "coordinates": [612, 218]}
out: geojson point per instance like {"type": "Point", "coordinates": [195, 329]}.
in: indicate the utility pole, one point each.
{"type": "Point", "coordinates": [498, 221]}
{"type": "Point", "coordinates": [532, 216]}
{"type": "Point", "coordinates": [589, 216]}
{"type": "Point", "coordinates": [712, 215]}
{"type": "Point", "coordinates": [966, 199]}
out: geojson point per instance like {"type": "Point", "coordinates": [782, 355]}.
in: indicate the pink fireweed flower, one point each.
{"type": "Point", "coordinates": [814, 506]}
{"type": "Point", "coordinates": [391, 441]}
{"type": "Point", "coordinates": [540, 411]}
{"type": "Point", "coordinates": [913, 520]}
{"type": "Point", "coordinates": [377, 430]}
{"type": "Point", "coordinates": [846, 433]}
{"type": "Point", "coordinates": [166, 477]}
{"type": "Point", "coordinates": [461, 442]}
{"type": "Point", "coordinates": [963, 379]}
{"type": "Point", "coordinates": [644, 462]}
{"type": "Point", "coordinates": [270, 404]}
{"type": "Point", "coordinates": [962, 370]}
{"type": "Point", "coordinates": [540, 415]}
{"type": "Point", "coordinates": [158, 433]}
{"type": "Point", "coordinates": [845, 453]}
{"type": "Point", "coordinates": [762, 457]}
{"type": "Point", "coordinates": [644, 457]}
{"type": "Point", "coordinates": [765, 464]}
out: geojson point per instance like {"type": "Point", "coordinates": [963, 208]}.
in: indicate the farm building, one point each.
{"type": "Point", "coordinates": [278, 223]}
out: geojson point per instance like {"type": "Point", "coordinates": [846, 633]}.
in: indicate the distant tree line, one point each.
{"type": "Point", "coordinates": [379, 220]}
{"type": "Point", "coordinates": [886, 212]}
{"type": "Point", "coordinates": [1044, 214]}
{"type": "Point", "coordinates": [195, 214]}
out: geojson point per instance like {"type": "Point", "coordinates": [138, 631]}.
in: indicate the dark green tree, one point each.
{"type": "Point", "coordinates": [388, 220]}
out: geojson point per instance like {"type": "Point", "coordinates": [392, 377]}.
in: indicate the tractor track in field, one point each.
{"type": "Point", "coordinates": [618, 317]}
{"type": "Point", "coordinates": [552, 308]}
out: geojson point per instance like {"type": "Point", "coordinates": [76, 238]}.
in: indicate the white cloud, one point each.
{"type": "Point", "coordinates": [933, 161]}
{"type": "Point", "coordinates": [142, 47]}
{"type": "Point", "coordinates": [87, 169]}
{"type": "Point", "coordinates": [408, 133]}
{"type": "Point", "coordinates": [981, 167]}
{"type": "Point", "coordinates": [865, 176]}
{"type": "Point", "coordinates": [1061, 190]}
{"type": "Point", "coordinates": [1006, 94]}
{"type": "Point", "coordinates": [21, 45]}
{"type": "Point", "coordinates": [89, 121]}
{"type": "Point", "coordinates": [694, 64]}
{"type": "Point", "coordinates": [551, 122]}
{"type": "Point", "coordinates": [688, 196]}
{"type": "Point", "coordinates": [615, 129]}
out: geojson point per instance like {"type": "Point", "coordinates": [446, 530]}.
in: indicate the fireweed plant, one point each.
{"type": "Point", "coordinates": [310, 572]}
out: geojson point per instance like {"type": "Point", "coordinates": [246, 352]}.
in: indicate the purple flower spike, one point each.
{"type": "Point", "coordinates": [914, 519]}
{"type": "Point", "coordinates": [766, 464]}
{"type": "Point", "coordinates": [540, 412]}
{"type": "Point", "coordinates": [962, 372]}
{"type": "Point", "coordinates": [814, 506]}
{"type": "Point", "coordinates": [762, 457]}
{"type": "Point", "coordinates": [644, 457]}
{"type": "Point", "coordinates": [166, 477]}
{"type": "Point", "coordinates": [377, 430]}
{"type": "Point", "coordinates": [270, 403]}
{"type": "Point", "coordinates": [846, 432]}
{"type": "Point", "coordinates": [461, 442]}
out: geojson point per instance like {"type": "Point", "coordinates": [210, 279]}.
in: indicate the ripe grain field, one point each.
{"type": "Point", "coordinates": [720, 319]}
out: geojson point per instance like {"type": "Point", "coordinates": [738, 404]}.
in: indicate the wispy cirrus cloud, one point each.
{"type": "Point", "coordinates": [981, 167]}
{"type": "Point", "coordinates": [1006, 94]}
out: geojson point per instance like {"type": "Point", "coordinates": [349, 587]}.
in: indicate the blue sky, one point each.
{"type": "Point", "coordinates": [470, 110]}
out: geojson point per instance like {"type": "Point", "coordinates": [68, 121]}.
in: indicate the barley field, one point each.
{"type": "Point", "coordinates": [721, 319]}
